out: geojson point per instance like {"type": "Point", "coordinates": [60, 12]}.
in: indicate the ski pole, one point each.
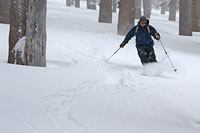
{"type": "Point", "coordinates": [113, 54]}
{"type": "Point", "coordinates": [168, 56]}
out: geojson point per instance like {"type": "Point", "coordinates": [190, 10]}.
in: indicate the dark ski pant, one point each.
{"type": "Point", "coordinates": [146, 54]}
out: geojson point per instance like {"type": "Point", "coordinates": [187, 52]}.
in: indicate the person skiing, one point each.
{"type": "Point", "coordinates": [144, 43]}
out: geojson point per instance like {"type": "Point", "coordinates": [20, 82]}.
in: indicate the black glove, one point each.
{"type": "Point", "coordinates": [123, 44]}
{"type": "Point", "coordinates": [157, 36]}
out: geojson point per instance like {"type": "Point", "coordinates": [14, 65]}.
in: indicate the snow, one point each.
{"type": "Point", "coordinates": [79, 93]}
{"type": "Point", "coordinates": [20, 46]}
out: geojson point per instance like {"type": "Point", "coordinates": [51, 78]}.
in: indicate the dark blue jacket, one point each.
{"type": "Point", "coordinates": [143, 37]}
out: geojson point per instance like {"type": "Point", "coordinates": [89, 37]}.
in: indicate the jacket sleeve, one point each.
{"type": "Point", "coordinates": [152, 31]}
{"type": "Point", "coordinates": [130, 34]}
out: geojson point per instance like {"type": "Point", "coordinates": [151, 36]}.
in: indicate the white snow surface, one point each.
{"type": "Point", "coordinates": [20, 46]}
{"type": "Point", "coordinates": [79, 92]}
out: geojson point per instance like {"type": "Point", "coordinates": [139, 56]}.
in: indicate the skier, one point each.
{"type": "Point", "coordinates": [144, 43]}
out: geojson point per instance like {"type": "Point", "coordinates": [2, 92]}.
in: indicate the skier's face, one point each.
{"type": "Point", "coordinates": [143, 23]}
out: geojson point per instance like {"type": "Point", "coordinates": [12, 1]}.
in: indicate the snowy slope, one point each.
{"type": "Point", "coordinates": [79, 93]}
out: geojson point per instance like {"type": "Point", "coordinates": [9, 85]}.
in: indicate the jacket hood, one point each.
{"type": "Point", "coordinates": [146, 24]}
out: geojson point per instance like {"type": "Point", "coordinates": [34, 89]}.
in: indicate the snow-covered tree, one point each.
{"type": "Point", "coordinates": [185, 17]}
{"type": "Point", "coordinates": [126, 16]}
{"type": "Point", "coordinates": [105, 12]}
{"type": "Point", "coordinates": [17, 36]}
{"type": "Point", "coordinates": [27, 39]}
{"type": "Point", "coordinates": [4, 11]}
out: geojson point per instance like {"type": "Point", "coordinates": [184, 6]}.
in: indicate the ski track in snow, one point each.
{"type": "Point", "coordinates": [123, 86]}
{"type": "Point", "coordinates": [119, 81]}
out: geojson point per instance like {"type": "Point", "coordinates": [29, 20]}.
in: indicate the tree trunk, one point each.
{"type": "Point", "coordinates": [185, 19]}
{"type": "Point", "coordinates": [91, 4]}
{"type": "Point", "coordinates": [196, 15]}
{"type": "Point", "coordinates": [17, 36]}
{"type": "Point", "coordinates": [68, 3]}
{"type": "Point", "coordinates": [163, 7]}
{"type": "Point", "coordinates": [147, 8]}
{"type": "Point", "coordinates": [172, 10]}
{"type": "Point", "coordinates": [35, 50]}
{"type": "Point", "coordinates": [72, 2]}
{"type": "Point", "coordinates": [105, 12]}
{"type": "Point", "coordinates": [5, 11]}
{"type": "Point", "coordinates": [126, 16]}
{"type": "Point", "coordinates": [137, 9]}
{"type": "Point", "coordinates": [114, 5]}
{"type": "Point", "coordinates": [77, 3]}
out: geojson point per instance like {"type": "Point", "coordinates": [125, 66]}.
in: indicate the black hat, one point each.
{"type": "Point", "coordinates": [143, 18]}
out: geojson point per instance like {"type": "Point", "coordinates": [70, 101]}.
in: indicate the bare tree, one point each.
{"type": "Point", "coordinates": [77, 3]}
{"type": "Point", "coordinates": [126, 16]}
{"type": "Point", "coordinates": [196, 15]}
{"type": "Point", "coordinates": [35, 50]}
{"type": "Point", "coordinates": [172, 10]}
{"type": "Point", "coordinates": [5, 11]}
{"type": "Point", "coordinates": [185, 19]}
{"type": "Point", "coordinates": [91, 4]}
{"type": "Point", "coordinates": [105, 12]}
{"type": "Point", "coordinates": [138, 9]}
{"type": "Point", "coordinates": [147, 8]}
{"type": "Point", "coordinates": [17, 36]}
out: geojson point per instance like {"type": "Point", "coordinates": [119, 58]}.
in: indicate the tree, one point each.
{"type": "Point", "coordinates": [137, 9]}
{"type": "Point", "coordinates": [91, 4]}
{"type": "Point", "coordinates": [17, 36]}
{"type": "Point", "coordinates": [72, 2]}
{"type": "Point", "coordinates": [27, 39]}
{"type": "Point", "coordinates": [77, 3]}
{"type": "Point", "coordinates": [35, 49]}
{"type": "Point", "coordinates": [161, 3]}
{"type": "Point", "coordinates": [5, 11]}
{"type": "Point", "coordinates": [172, 10]}
{"type": "Point", "coordinates": [196, 15]}
{"type": "Point", "coordinates": [114, 5]}
{"type": "Point", "coordinates": [147, 8]}
{"type": "Point", "coordinates": [105, 12]}
{"type": "Point", "coordinates": [126, 16]}
{"type": "Point", "coordinates": [163, 7]}
{"type": "Point", "coordinates": [68, 3]}
{"type": "Point", "coordinates": [185, 17]}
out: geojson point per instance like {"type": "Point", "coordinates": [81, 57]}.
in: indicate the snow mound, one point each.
{"type": "Point", "coordinates": [158, 70]}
